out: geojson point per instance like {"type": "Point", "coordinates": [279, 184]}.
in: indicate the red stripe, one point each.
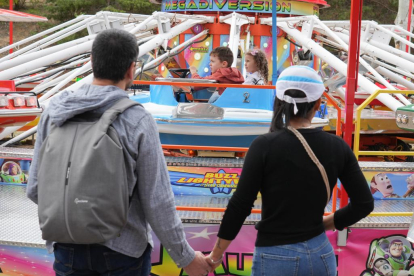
{"type": "Point", "coordinates": [19, 14]}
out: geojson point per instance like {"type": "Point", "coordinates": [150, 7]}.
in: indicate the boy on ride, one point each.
{"type": "Point", "coordinates": [221, 59]}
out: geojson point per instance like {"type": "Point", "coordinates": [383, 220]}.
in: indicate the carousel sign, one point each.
{"type": "Point", "coordinates": [282, 7]}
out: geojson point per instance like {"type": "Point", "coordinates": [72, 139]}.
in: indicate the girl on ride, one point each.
{"type": "Point", "coordinates": [256, 67]}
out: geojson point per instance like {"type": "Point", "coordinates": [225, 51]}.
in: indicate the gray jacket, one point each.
{"type": "Point", "coordinates": [149, 185]}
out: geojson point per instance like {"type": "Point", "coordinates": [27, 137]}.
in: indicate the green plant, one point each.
{"type": "Point", "coordinates": [138, 6]}
{"type": "Point", "coordinates": [112, 9]}
{"type": "Point", "coordinates": [17, 4]}
{"type": "Point", "coordinates": [63, 10]}
{"type": "Point", "coordinates": [382, 11]}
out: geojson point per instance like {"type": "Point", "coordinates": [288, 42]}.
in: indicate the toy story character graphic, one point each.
{"type": "Point", "coordinates": [389, 256]}
{"type": "Point", "coordinates": [11, 172]}
{"type": "Point", "coordinates": [380, 182]}
{"type": "Point", "coordinates": [410, 186]}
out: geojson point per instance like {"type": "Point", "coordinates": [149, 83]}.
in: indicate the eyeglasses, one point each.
{"type": "Point", "coordinates": [138, 63]}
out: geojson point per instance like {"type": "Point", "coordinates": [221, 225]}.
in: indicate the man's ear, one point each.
{"type": "Point", "coordinates": [225, 64]}
{"type": "Point", "coordinates": [131, 71]}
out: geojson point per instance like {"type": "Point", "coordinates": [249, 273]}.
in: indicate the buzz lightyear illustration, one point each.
{"type": "Point", "coordinates": [12, 173]}
{"type": "Point", "coordinates": [382, 267]}
{"type": "Point", "coordinates": [390, 256]}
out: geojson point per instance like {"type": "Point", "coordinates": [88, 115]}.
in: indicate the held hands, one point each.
{"type": "Point", "coordinates": [193, 70]}
{"type": "Point", "coordinates": [199, 266]}
{"type": "Point", "coordinates": [214, 262]}
{"type": "Point", "coordinates": [202, 265]}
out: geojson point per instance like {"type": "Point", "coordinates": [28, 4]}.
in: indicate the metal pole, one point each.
{"type": "Point", "coordinates": [11, 28]}
{"type": "Point", "coordinates": [274, 45]}
{"type": "Point", "coordinates": [410, 11]}
{"type": "Point", "coordinates": [352, 77]}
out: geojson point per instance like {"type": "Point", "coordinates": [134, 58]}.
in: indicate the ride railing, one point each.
{"type": "Point", "coordinates": [338, 131]}
{"type": "Point", "coordinates": [358, 152]}
{"type": "Point", "coordinates": [357, 122]}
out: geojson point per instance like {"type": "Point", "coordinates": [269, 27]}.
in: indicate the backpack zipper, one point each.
{"type": "Point", "coordinates": [65, 203]}
{"type": "Point", "coordinates": [67, 174]}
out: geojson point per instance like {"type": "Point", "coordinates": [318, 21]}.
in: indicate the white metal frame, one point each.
{"type": "Point", "coordinates": [380, 60]}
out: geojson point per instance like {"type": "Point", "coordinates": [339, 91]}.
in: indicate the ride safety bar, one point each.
{"type": "Point", "coordinates": [357, 133]}
{"type": "Point", "coordinates": [226, 85]}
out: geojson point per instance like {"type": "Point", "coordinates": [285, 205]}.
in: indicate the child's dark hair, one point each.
{"type": "Point", "coordinates": [261, 62]}
{"type": "Point", "coordinates": [283, 111]}
{"type": "Point", "coordinates": [223, 54]}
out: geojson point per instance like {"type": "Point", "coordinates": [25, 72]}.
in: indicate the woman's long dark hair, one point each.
{"type": "Point", "coordinates": [283, 112]}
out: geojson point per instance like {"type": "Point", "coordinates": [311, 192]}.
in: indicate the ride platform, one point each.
{"type": "Point", "coordinates": [19, 221]}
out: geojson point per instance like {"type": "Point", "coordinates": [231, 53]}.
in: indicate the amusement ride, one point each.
{"type": "Point", "coordinates": [365, 66]}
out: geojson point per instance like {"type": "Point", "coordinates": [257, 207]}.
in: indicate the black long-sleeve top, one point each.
{"type": "Point", "coordinates": [292, 188]}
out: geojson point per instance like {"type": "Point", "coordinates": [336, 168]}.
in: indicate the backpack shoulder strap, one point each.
{"type": "Point", "coordinates": [109, 116]}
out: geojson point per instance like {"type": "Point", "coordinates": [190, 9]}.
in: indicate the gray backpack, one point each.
{"type": "Point", "coordinates": [83, 193]}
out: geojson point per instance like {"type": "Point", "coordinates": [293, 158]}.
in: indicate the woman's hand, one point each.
{"type": "Point", "coordinates": [328, 222]}
{"type": "Point", "coordinates": [199, 266]}
{"type": "Point", "coordinates": [215, 258]}
{"type": "Point", "coordinates": [214, 262]}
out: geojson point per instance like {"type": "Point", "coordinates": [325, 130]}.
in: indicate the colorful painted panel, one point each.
{"type": "Point", "coordinates": [224, 40]}
{"type": "Point", "coordinates": [198, 55]}
{"type": "Point", "coordinates": [368, 252]}
{"type": "Point", "coordinates": [171, 62]}
{"type": "Point", "coordinates": [284, 49]}
{"type": "Point", "coordinates": [282, 7]}
{"type": "Point", "coordinates": [204, 181]}
{"type": "Point", "coordinates": [17, 261]}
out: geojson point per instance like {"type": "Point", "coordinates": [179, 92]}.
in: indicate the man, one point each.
{"type": "Point", "coordinates": [114, 53]}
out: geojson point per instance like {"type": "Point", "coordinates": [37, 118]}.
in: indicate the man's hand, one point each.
{"type": "Point", "coordinates": [199, 266]}
{"type": "Point", "coordinates": [193, 70]}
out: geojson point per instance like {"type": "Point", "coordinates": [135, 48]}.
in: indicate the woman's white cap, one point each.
{"type": "Point", "coordinates": [301, 78]}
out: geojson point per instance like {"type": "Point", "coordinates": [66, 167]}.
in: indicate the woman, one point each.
{"type": "Point", "coordinates": [291, 237]}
